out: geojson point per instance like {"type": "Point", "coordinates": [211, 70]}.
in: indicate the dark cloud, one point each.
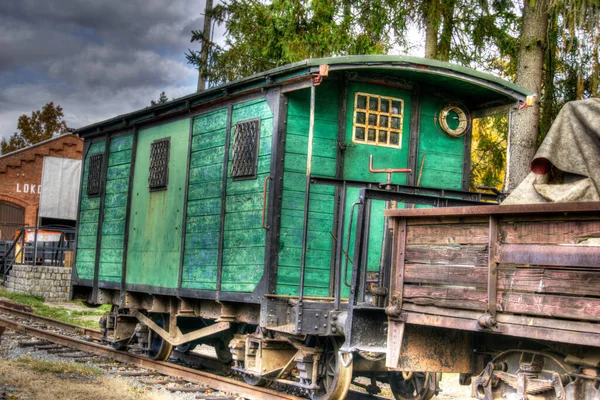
{"type": "Point", "coordinates": [96, 59]}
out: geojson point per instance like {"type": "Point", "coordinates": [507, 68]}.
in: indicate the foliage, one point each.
{"type": "Point", "coordinates": [41, 125]}
{"type": "Point", "coordinates": [58, 313]}
{"type": "Point", "coordinates": [161, 99]}
{"type": "Point", "coordinates": [264, 35]}
{"type": "Point", "coordinates": [488, 155]}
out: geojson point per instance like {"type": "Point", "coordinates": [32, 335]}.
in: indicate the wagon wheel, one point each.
{"type": "Point", "coordinates": [158, 348]}
{"type": "Point", "coordinates": [335, 373]}
{"type": "Point", "coordinates": [223, 352]}
{"type": "Point", "coordinates": [255, 380]}
{"type": "Point", "coordinates": [416, 386]}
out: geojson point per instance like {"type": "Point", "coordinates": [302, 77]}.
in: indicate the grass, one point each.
{"type": "Point", "coordinates": [56, 367]}
{"type": "Point", "coordinates": [61, 314]}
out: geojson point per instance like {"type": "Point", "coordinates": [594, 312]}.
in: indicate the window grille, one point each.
{"type": "Point", "coordinates": [94, 175]}
{"type": "Point", "coordinates": [378, 120]}
{"type": "Point", "coordinates": [245, 149]}
{"type": "Point", "coordinates": [159, 164]}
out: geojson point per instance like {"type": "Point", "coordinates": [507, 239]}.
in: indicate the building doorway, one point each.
{"type": "Point", "coordinates": [12, 219]}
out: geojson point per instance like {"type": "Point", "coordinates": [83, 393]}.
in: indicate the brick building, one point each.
{"type": "Point", "coordinates": [21, 177]}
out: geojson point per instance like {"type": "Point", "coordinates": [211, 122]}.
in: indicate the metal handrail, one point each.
{"type": "Point", "coordinates": [10, 256]}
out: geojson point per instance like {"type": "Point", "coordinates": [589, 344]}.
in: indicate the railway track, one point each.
{"type": "Point", "coordinates": [86, 341]}
{"type": "Point", "coordinates": [202, 379]}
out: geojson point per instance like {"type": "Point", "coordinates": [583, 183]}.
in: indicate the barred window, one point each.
{"type": "Point", "coordinates": [245, 149]}
{"type": "Point", "coordinates": [159, 164]}
{"type": "Point", "coordinates": [378, 120]}
{"type": "Point", "coordinates": [94, 175]}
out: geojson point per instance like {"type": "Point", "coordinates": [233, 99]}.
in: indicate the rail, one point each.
{"type": "Point", "coordinates": [217, 382]}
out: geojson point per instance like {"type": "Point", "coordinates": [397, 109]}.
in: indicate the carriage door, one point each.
{"type": "Point", "coordinates": [377, 124]}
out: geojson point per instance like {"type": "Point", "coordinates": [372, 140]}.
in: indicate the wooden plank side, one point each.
{"type": "Point", "coordinates": [534, 280]}
{"type": "Point", "coordinates": [475, 254]}
{"type": "Point", "coordinates": [577, 308]}
{"type": "Point", "coordinates": [448, 234]}
{"type": "Point", "coordinates": [549, 232]}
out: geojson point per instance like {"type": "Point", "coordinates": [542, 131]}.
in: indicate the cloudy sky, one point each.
{"type": "Point", "coordinates": [97, 59]}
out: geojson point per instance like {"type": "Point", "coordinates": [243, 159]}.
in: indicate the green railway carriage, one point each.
{"type": "Point", "coordinates": [206, 217]}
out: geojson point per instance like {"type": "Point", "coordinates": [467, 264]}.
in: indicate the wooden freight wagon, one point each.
{"type": "Point", "coordinates": [518, 284]}
{"type": "Point", "coordinates": [226, 217]}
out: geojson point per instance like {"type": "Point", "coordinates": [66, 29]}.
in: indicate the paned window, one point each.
{"type": "Point", "coordinates": [245, 149]}
{"type": "Point", "coordinates": [94, 175]}
{"type": "Point", "coordinates": [378, 120]}
{"type": "Point", "coordinates": [159, 164]}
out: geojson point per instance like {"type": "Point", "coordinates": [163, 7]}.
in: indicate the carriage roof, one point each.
{"type": "Point", "coordinates": [474, 86]}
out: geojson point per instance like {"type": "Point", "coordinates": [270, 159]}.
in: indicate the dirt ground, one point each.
{"type": "Point", "coordinates": [19, 382]}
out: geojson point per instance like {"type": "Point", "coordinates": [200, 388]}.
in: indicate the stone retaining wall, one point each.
{"type": "Point", "coordinates": [51, 283]}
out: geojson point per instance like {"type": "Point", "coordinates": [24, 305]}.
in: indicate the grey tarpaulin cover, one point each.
{"type": "Point", "coordinates": [60, 188]}
{"type": "Point", "coordinates": [566, 167]}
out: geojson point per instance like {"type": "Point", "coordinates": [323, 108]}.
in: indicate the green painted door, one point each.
{"type": "Point", "coordinates": [377, 124]}
{"type": "Point", "coordinates": [154, 246]}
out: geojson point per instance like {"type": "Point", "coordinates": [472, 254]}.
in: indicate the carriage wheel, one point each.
{"type": "Point", "coordinates": [158, 348]}
{"type": "Point", "coordinates": [223, 352]}
{"type": "Point", "coordinates": [335, 375]}
{"type": "Point", "coordinates": [255, 380]}
{"type": "Point", "coordinates": [416, 386]}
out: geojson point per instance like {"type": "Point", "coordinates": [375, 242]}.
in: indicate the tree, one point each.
{"type": "Point", "coordinates": [264, 35]}
{"type": "Point", "coordinates": [161, 99]}
{"type": "Point", "coordinates": [206, 32]}
{"type": "Point", "coordinates": [41, 125]}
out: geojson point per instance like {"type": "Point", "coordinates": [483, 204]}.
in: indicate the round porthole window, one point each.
{"type": "Point", "coordinates": [453, 120]}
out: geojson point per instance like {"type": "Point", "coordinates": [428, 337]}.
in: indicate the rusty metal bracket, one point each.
{"type": "Point", "coordinates": [388, 171]}
{"type": "Point", "coordinates": [176, 338]}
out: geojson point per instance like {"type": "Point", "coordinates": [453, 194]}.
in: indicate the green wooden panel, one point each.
{"type": "Point", "coordinates": [244, 202]}
{"type": "Point", "coordinates": [115, 214]}
{"type": "Point", "coordinates": [312, 277]}
{"type": "Point", "coordinates": [204, 223]}
{"type": "Point", "coordinates": [86, 241]}
{"type": "Point", "coordinates": [113, 227]}
{"type": "Point", "coordinates": [121, 143]}
{"type": "Point", "coordinates": [90, 228]}
{"type": "Point", "coordinates": [204, 191]}
{"type": "Point", "coordinates": [244, 238]}
{"type": "Point", "coordinates": [88, 216]}
{"type": "Point", "coordinates": [153, 253]}
{"type": "Point", "coordinates": [210, 121]}
{"type": "Point", "coordinates": [209, 140]}
{"type": "Point", "coordinates": [204, 207]}
{"type": "Point", "coordinates": [320, 217]}
{"type": "Point", "coordinates": [195, 284]}
{"type": "Point", "coordinates": [208, 173]}
{"type": "Point", "coordinates": [115, 209]}
{"type": "Point", "coordinates": [318, 259]}
{"type": "Point", "coordinates": [119, 157]}
{"type": "Point", "coordinates": [294, 200]}
{"type": "Point", "coordinates": [233, 275]}
{"type": "Point", "coordinates": [112, 241]}
{"type": "Point", "coordinates": [207, 157]}
{"type": "Point", "coordinates": [202, 240]}
{"type": "Point", "coordinates": [117, 186]}
{"type": "Point", "coordinates": [243, 220]}
{"type": "Point", "coordinates": [248, 237]}
{"type": "Point", "coordinates": [115, 200]}
{"type": "Point", "coordinates": [118, 172]}
{"type": "Point", "coordinates": [90, 203]}
{"type": "Point", "coordinates": [200, 257]}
